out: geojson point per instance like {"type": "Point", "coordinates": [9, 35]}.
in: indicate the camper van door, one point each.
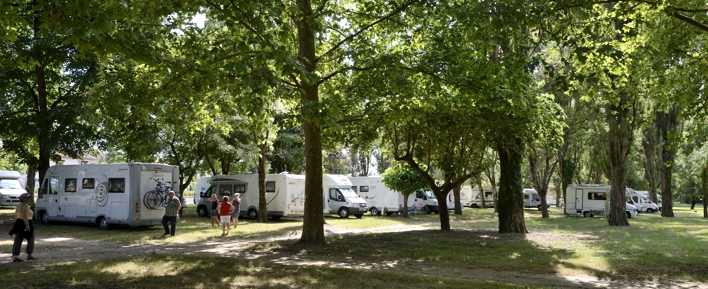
{"type": "Point", "coordinates": [50, 192]}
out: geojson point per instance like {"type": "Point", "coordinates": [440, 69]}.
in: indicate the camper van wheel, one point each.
{"type": "Point", "coordinates": [343, 213]}
{"type": "Point", "coordinates": [202, 211]}
{"type": "Point", "coordinates": [586, 214]}
{"type": "Point", "coordinates": [474, 206]}
{"type": "Point", "coordinates": [629, 215]}
{"type": "Point", "coordinates": [252, 214]}
{"type": "Point", "coordinates": [375, 211]}
{"type": "Point", "coordinates": [44, 217]}
{"type": "Point", "coordinates": [650, 210]}
{"type": "Point", "coordinates": [358, 216]}
{"type": "Point", "coordinates": [539, 207]}
{"type": "Point", "coordinates": [426, 210]}
{"type": "Point", "coordinates": [103, 224]}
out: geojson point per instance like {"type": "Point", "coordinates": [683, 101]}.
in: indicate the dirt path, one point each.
{"type": "Point", "coordinates": [57, 250]}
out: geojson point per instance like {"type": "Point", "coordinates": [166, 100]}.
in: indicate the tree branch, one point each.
{"type": "Point", "coordinates": [367, 27]}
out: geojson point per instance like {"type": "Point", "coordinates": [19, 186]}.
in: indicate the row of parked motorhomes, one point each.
{"type": "Point", "coordinates": [132, 194]}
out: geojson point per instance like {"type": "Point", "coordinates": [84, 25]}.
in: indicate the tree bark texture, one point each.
{"type": "Point", "coordinates": [313, 221]}
{"type": "Point", "coordinates": [511, 198]}
{"type": "Point", "coordinates": [262, 201]}
{"type": "Point", "coordinates": [704, 186]}
{"type": "Point", "coordinates": [619, 142]}
{"type": "Point", "coordinates": [667, 124]}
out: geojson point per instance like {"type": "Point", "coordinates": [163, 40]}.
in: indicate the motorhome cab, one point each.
{"type": "Point", "coordinates": [532, 199]}
{"type": "Point", "coordinates": [378, 197]}
{"type": "Point", "coordinates": [589, 200]}
{"type": "Point", "coordinates": [285, 194]}
{"type": "Point", "coordinates": [339, 198]}
{"type": "Point", "coordinates": [105, 194]}
{"type": "Point", "coordinates": [422, 201]}
{"type": "Point", "coordinates": [201, 187]}
{"type": "Point", "coordinates": [642, 202]}
{"type": "Point", "coordinates": [10, 188]}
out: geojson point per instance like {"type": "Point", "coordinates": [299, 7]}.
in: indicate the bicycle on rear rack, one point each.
{"type": "Point", "coordinates": [157, 198]}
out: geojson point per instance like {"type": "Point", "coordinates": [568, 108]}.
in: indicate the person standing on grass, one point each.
{"type": "Point", "coordinates": [214, 214]}
{"type": "Point", "coordinates": [225, 209]}
{"type": "Point", "coordinates": [171, 209]}
{"type": "Point", "coordinates": [23, 229]}
{"type": "Point", "coordinates": [237, 209]}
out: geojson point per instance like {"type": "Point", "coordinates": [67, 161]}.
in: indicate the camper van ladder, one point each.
{"type": "Point", "coordinates": [157, 198]}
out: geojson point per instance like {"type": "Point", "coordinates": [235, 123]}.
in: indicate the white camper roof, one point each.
{"type": "Point", "coordinates": [10, 175]}
{"type": "Point", "coordinates": [337, 180]}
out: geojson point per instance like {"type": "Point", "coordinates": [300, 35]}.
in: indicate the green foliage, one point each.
{"type": "Point", "coordinates": [402, 178]}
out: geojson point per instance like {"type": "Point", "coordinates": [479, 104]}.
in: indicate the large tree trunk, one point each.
{"type": "Point", "coordinates": [567, 172]}
{"type": "Point", "coordinates": [405, 204]}
{"type": "Point", "coordinates": [442, 206]}
{"type": "Point", "coordinates": [313, 222]}
{"type": "Point", "coordinates": [511, 198]}
{"type": "Point", "coordinates": [262, 202]}
{"type": "Point", "coordinates": [704, 185]}
{"type": "Point", "coordinates": [667, 124]}
{"type": "Point", "coordinates": [31, 171]}
{"type": "Point", "coordinates": [619, 141]}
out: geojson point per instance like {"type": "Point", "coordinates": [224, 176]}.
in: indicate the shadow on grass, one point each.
{"type": "Point", "coordinates": [158, 271]}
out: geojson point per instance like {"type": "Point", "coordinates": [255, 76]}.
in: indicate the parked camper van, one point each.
{"type": "Point", "coordinates": [339, 198]}
{"type": "Point", "coordinates": [285, 194]}
{"type": "Point", "coordinates": [589, 200]}
{"type": "Point", "coordinates": [642, 202]}
{"type": "Point", "coordinates": [10, 188]}
{"type": "Point", "coordinates": [106, 194]}
{"type": "Point", "coordinates": [201, 187]}
{"type": "Point", "coordinates": [476, 202]}
{"type": "Point", "coordinates": [422, 201]}
{"type": "Point", "coordinates": [378, 197]}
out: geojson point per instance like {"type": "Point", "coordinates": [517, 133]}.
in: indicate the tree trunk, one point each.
{"type": "Point", "coordinates": [619, 145]}
{"type": "Point", "coordinates": [262, 202]}
{"type": "Point", "coordinates": [511, 198]}
{"type": "Point", "coordinates": [442, 207]}
{"type": "Point", "coordinates": [405, 204]}
{"type": "Point", "coordinates": [567, 172]}
{"type": "Point", "coordinates": [649, 144]}
{"type": "Point", "coordinates": [704, 185]}
{"type": "Point", "coordinates": [313, 221]}
{"type": "Point", "coordinates": [667, 124]}
{"type": "Point", "coordinates": [31, 171]}
{"type": "Point", "coordinates": [458, 205]}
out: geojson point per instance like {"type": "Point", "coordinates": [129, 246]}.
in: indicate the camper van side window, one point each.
{"type": "Point", "coordinates": [226, 190]}
{"type": "Point", "coordinates": [333, 194]}
{"type": "Point", "coordinates": [596, 196]}
{"type": "Point", "coordinates": [116, 185]}
{"type": "Point", "coordinates": [87, 183]}
{"type": "Point", "coordinates": [354, 188]}
{"type": "Point", "coordinates": [70, 185]}
{"type": "Point", "coordinates": [364, 189]}
{"type": "Point", "coordinates": [240, 189]}
{"type": "Point", "coordinates": [270, 186]}
{"type": "Point", "coordinates": [54, 188]}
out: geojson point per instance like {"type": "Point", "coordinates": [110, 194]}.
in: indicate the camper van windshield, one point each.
{"type": "Point", "coordinates": [10, 184]}
{"type": "Point", "coordinates": [349, 193]}
{"type": "Point", "coordinates": [429, 194]}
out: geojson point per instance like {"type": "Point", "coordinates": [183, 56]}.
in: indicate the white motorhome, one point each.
{"type": "Point", "coordinates": [339, 198]}
{"type": "Point", "coordinates": [532, 199]}
{"type": "Point", "coordinates": [465, 198]}
{"type": "Point", "coordinates": [285, 194]}
{"type": "Point", "coordinates": [106, 194]}
{"type": "Point", "coordinates": [201, 187]}
{"type": "Point", "coordinates": [378, 197]}
{"type": "Point", "coordinates": [589, 200]}
{"type": "Point", "coordinates": [422, 200]}
{"type": "Point", "coordinates": [642, 202]}
{"type": "Point", "coordinates": [646, 194]}
{"type": "Point", "coordinates": [476, 202]}
{"type": "Point", "coordinates": [10, 188]}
